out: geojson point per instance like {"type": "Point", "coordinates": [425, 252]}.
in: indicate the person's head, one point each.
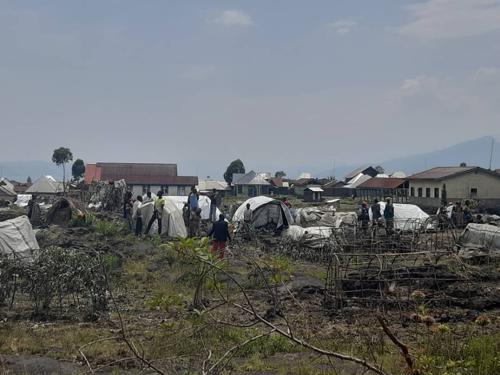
{"type": "Point", "coordinates": [388, 200]}
{"type": "Point", "coordinates": [148, 194]}
{"type": "Point", "coordinates": [375, 201]}
{"type": "Point", "coordinates": [214, 190]}
{"type": "Point", "coordinates": [364, 204]}
{"type": "Point", "coordinates": [193, 189]}
{"type": "Point", "coordinates": [198, 211]}
{"type": "Point", "coordinates": [160, 194]}
{"type": "Point", "coordinates": [248, 206]}
{"type": "Point", "coordinates": [221, 217]}
{"type": "Point", "coordinates": [139, 198]}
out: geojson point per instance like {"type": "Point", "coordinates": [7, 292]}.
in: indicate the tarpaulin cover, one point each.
{"type": "Point", "coordinates": [17, 238]}
{"type": "Point", "coordinates": [266, 211]}
{"type": "Point", "coordinates": [172, 220]}
{"type": "Point", "coordinates": [312, 237]}
{"type": "Point", "coordinates": [22, 200]}
{"type": "Point", "coordinates": [406, 216]}
{"type": "Point", "coordinates": [315, 216]}
{"type": "Point", "coordinates": [480, 236]}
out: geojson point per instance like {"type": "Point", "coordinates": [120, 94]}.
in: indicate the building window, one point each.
{"type": "Point", "coordinates": [419, 192]}
{"type": "Point", "coordinates": [473, 192]}
{"type": "Point", "coordinates": [181, 190]}
{"type": "Point", "coordinates": [145, 189]}
{"type": "Point", "coordinates": [428, 192]}
{"type": "Point", "coordinates": [240, 189]}
{"type": "Point", "coordinates": [412, 192]}
{"type": "Point", "coordinates": [436, 192]}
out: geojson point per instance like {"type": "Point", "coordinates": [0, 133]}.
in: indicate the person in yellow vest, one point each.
{"type": "Point", "coordinates": [158, 211]}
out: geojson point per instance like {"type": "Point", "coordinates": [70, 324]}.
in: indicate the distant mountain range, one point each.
{"type": "Point", "coordinates": [475, 152]}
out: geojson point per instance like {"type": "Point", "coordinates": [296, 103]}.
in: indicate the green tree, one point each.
{"type": "Point", "coordinates": [236, 166]}
{"type": "Point", "coordinates": [61, 157]}
{"type": "Point", "coordinates": [280, 174]}
{"type": "Point", "coordinates": [78, 169]}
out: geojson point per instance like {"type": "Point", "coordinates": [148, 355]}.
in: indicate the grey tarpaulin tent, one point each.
{"type": "Point", "coordinates": [17, 238]}
{"type": "Point", "coordinates": [266, 212]}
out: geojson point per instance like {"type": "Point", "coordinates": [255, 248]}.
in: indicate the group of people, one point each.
{"type": "Point", "coordinates": [379, 218]}
{"type": "Point", "coordinates": [133, 212]}
{"type": "Point", "coordinates": [461, 215]}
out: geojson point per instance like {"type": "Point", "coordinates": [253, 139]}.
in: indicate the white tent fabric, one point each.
{"type": "Point", "coordinates": [172, 220]}
{"type": "Point", "coordinates": [406, 216]}
{"type": "Point", "coordinates": [203, 203]}
{"type": "Point", "coordinates": [17, 238]}
{"type": "Point", "coordinates": [265, 211]}
{"type": "Point", "coordinates": [22, 200]}
{"type": "Point", "coordinates": [313, 237]}
{"type": "Point", "coordinates": [45, 185]}
{"type": "Point", "coordinates": [480, 236]}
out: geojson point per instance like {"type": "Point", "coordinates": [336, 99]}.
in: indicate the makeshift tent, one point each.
{"type": "Point", "coordinates": [63, 210]}
{"type": "Point", "coordinates": [315, 216]}
{"type": "Point", "coordinates": [406, 216]}
{"type": "Point", "coordinates": [17, 238]}
{"type": "Point", "coordinates": [312, 237]}
{"type": "Point", "coordinates": [203, 203]}
{"type": "Point", "coordinates": [480, 236]}
{"type": "Point", "coordinates": [172, 220]}
{"type": "Point", "coordinates": [266, 212]}
{"type": "Point", "coordinates": [45, 185]}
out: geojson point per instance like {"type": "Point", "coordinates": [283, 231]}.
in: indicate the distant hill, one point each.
{"type": "Point", "coordinates": [20, 170]}
{"type": "Point", "coordinates": [475, 152]}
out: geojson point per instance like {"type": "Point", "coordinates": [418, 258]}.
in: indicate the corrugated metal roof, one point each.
{"type": "Point", "coordinates": [439, 173]}
{"type": "Point", "coordinates": [382, 183]}
{"type": "Point", "coordinates": [315, 188]}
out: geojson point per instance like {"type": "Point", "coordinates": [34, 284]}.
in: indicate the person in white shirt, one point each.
{"type": "Point", "coordinates": [137, 215]}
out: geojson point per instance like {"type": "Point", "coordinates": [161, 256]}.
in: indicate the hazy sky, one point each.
{"type": "Point", "coordinates": [275, 83]}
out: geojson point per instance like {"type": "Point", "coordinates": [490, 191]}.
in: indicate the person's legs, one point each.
{"type": "Point", "coordinates": [222, 248]}
{"type": "Point", "coordinates": [138, 226]}
{"type": "Point", "coordinates": [151, 221]}
{"type": "Point", "coordinates": [159, 225]}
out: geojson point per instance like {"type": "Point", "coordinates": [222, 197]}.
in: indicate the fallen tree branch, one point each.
{"type": "Point", "coordinates": [405, 352]}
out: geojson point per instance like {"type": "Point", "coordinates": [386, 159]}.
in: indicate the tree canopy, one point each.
{"type": "Point", "coordinates": [78, 169]}
{"type": "Point", "coordinates": [236, 166]}
{"type": "Point", "coordinates": [62, 155]}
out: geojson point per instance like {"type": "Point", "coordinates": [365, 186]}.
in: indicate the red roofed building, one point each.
{"type": "Point", "coordinates": [142, 177]}
{"type": "Point", "coordinates": [382, 187]}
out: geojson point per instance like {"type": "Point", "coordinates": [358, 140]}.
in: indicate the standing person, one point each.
{"type": "Point", "coordinates": [194, 223]}
{"type": "Point", "coordinates": [376, 215]}
{"type": "Point", "coordinates": [193, 200]}
{"type": "Point", "coordinates": [158, 211]}
{"type": "Point", "coordinates": [148, 197]}
{"type": "Point", "coordinates": [213, 205]}
{"type": "Point", "coordinates": [364, 216]}
{"type": "Point", "coordinates": [459, 215]}
{"type": "Point", "coordinates": [467, 214]}
{"type": "Point", "coordinates": [286, 202]}
{"type": "Point", "coordinates": [137, 215]}
{"type": "Point", "coordinates": [220, 233]}
{"type": "Point", "coordinates": [389, 216]}
{"type": "Point", "coordinates": [127, 208]}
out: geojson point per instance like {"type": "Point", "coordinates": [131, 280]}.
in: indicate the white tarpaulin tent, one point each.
{"type": "Point", "coordinates": [172, 220]}
{"type": "Point", "coordinates": [406, 216]}
{"type": "Point", "coordinates": [22, 200]}
{"type": "Point", "coordinates": [17, 238]}
{"type": "Point", "coordinates": [313, 237]}
{"type": "Point", "coordinates": [203, 203]}
{"type": "Point", "coordinates": [266, 211]}
{"type": "Point", "coordinates": [45, 185]}
{"type": "Point", "coordinates": [480, 236]}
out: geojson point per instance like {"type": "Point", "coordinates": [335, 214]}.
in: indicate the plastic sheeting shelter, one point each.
{"type": "Point", "coordinates": [22, 200]}
{"type": "Point", "coordinates": [266, 212]}
{"type": "Point", "coordinates": [313, 237]}
{"type": "Point", "coordinates": [406, 216]}
{"type": "Point", "coordinates": [203, 203]}
{"type": "Point", "coordinates": [172, 220]}
{"type": "Point", "coordinates": [17, 238]}
{"type": "Point", "coordinates": [480, 236]}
